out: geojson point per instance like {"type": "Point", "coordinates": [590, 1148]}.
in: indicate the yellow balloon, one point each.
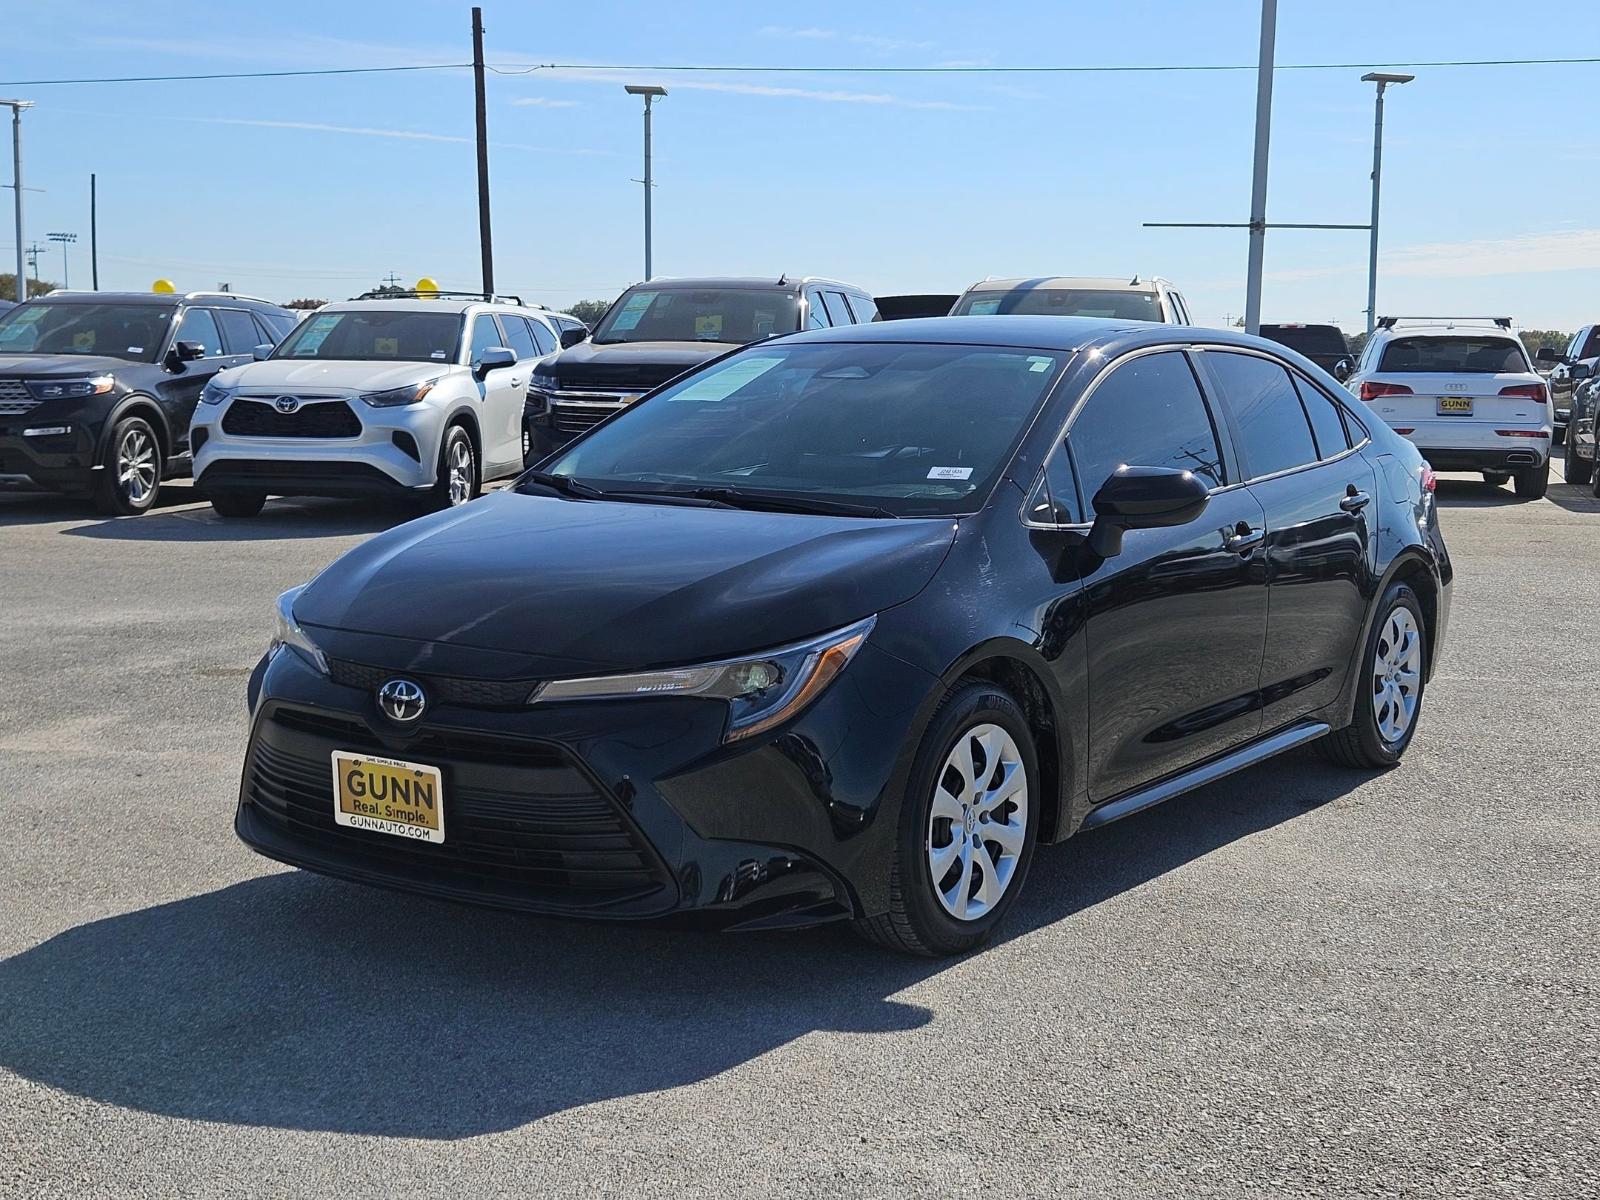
{"type": "Point", "coordinates": [426, 287]}
{"type": "Point", "coordinates": [164, 286]}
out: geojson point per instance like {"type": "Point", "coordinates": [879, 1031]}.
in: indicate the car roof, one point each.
{"type": "Point", "coordinates": [160, 299]}
{"type": "Point", "coordinates": [1448, 329]}
{"type": "Point", "coordinates": [1106, 283]}
{"type": "Point", "coordinates": [774, 283]}
{"type": "Point", "coordinates": [417, 304]}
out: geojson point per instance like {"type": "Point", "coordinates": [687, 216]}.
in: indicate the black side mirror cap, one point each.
{"type": "Point", "coordinates": [1548, 354]}
{"type": "Point", "coordinates": [492, 359]}
{"type": "Point", "coordinates": [571, 337]}
{"type": "Point", "coordinates": [190, 351]}
{"type": "Point", "coordinates": [1579, 371]}
{"type": "Point", "coordinates": [1342, 369]}
{"type": "Point", "coordinates": [1144, 498]}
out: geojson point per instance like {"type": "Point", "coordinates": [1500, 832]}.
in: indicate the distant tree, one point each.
{"type": "Point", "coordinates": [588, 311]}
{"type": "Point", "coordinates": [36, 287]}
{"type": "Point", "coordinates": [1535, 339]}
{"type": "Point", "coordinates": [304, 303]}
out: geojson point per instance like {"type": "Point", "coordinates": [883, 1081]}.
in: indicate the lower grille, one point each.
{"type": "Point", "coordinates": [570, 418]}
{"type": "Point", "coordinates": [313, 419]}
{"type": "Point", "coordinates": [470, 693]}
{"type": "Point", "coordinates": [15, 398]}
{"type": "Point", "coordinates": [516, 813]}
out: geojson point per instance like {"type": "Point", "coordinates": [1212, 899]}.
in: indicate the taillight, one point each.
{"type": "Point", "coordinates": [1430, 481]}
{"type": "Point", "coordinates": [1530, 433]}
{"type": "Point", "coordinates": [1403, 432]}
{"type": "Point", "coordinates": [1526, 391]}
{"type": "Point", "coordinates": [1371, 390]}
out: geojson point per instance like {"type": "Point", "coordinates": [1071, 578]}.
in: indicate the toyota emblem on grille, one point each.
{"type": "Point", "coordinates": [402, 700]}
{"type": "Point", "coordinates": [287, 404]}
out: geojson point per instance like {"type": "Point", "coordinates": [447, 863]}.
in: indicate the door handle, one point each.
{"type": "Point", "coordinates": [515, 382]}
{"type": "Point", "coordinates": [1244, 538]}
{"type": "Point", "coordinates": [1355, 501]}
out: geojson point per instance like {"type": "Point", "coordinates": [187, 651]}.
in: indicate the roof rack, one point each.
{"type": "Point", "coordinates": [413, 294]}
{"type": "Point", "coordinates": [229, 295]}
{"type": "Point", "coordinates": [1389, 322]}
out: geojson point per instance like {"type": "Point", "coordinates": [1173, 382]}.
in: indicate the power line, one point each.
{"type": "Point", "coordinates": [233, 75]}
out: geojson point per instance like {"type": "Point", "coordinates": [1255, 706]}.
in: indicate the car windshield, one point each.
{"type": "Point", "coordinates": [1463, 355]}
{"type": "Point", "coordinates": [131, 331]}
{"type": "Point", "coordinates": [375, 335]}
{"type": "Point", "coordinates": [1061, 302]}
{"type": "Point", "coordinates": [735, 315]}
{"type": "Point", "coordinates": [910, 429]}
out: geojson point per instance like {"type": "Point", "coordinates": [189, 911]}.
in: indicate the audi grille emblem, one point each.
{"type": "Point", "coordinates": [401, 700]}
{"type": "Point", "coordinates": [287, 404]}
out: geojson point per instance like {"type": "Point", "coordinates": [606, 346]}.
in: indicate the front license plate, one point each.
{"type": "Point", "coordinates": [385, 795]}
{"type": "Point", "coordinates": [1455, 406]}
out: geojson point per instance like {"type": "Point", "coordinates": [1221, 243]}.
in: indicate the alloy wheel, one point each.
{"type": "Point", "coordinates": [136, 466]}
{"type": "Point", "coordinates": [978, 823]}
{"type": "Point", "coordinates": [460, 472]}
{"type": "Point", "coordinates": [1397, 674]}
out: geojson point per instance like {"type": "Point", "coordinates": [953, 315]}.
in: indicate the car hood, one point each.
{"type": "Point", "coordinates": [33, 366]}
{"type": "Point", "coordinates": [570, 586]}
{"type": "Point", "coordinates": [632, 364]}
{"type": "Point", "coordinates": [287, 373]}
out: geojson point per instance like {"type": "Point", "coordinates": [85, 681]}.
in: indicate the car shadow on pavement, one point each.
{"type": "Point", "coordinates": [293, 1001]}
{"type": "Point", "coordinates": [280, 520]}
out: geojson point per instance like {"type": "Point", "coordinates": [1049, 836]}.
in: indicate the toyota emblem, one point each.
{"type": "Point", "coordinates": [402, 700]}
{"type": "Point", "coordinates": [287, 404]}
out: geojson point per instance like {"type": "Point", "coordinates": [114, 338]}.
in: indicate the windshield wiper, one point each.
{"type": "Point", "coordinates": [566, 485]}
{"type": "Point", "coordinates": [784, 502]}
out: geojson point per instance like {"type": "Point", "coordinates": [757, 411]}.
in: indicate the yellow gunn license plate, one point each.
{"type": "Point", "coordinates": [1455, 404]}
{"type": "Point", "coordinates": [386, 795]}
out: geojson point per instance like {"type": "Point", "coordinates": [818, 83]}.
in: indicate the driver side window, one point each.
{"type": "Point", "coordinates": [1149, 412]}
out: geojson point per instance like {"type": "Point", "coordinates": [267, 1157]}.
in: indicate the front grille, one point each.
{"type": "Point", "coordinates": [515, 813]}
{"type": "Point", "coordinates": [573, 418]}
{"type": "Point", "coordinates": [313, 419]}
{"type": "Point", "coordinates": [470, 693]}
{"type": "Point", "coordinates": [15, 398]}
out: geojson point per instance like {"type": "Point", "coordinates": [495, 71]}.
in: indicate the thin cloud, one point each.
{"type": "Point", "coordinates": [759, 89]}
{"type": "Point", "coordinates": [870, 41]}
{"type": "Point", "coordinates": [1525, 254]}
{"type": "Point", "coordinates": [414, 135]}
{"type": "Point", "coordinates": [545, 102]}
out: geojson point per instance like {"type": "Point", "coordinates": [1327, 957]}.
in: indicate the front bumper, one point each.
{"type": "Point", "coordinates": [65, 460]}
{"type": "Point", "coordinates": [627, 810]}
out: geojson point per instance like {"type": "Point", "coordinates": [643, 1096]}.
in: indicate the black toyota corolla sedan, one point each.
{"type": "Point", "coordinates": [842, 625]}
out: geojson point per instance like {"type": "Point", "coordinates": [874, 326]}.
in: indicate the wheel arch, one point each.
{"type": "Point", "coordinates": [137, 404]}
{"type": "Point", "coordinates": [468, 420]}
{"type": "Point", "coordinates": [1413, 567]}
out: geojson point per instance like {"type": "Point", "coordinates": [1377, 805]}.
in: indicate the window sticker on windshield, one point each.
{"type": "Point", "coordinates": [719, 385]}
{"type": "Point", "coordinates": [950, 473]}
{"type": "Point", "coordinates": [135, 350]}
{"type": "Point", "coordinates": [633, 310]}
{"type": "Point", "coordinates": [386, 346]}
{"type": "Point", "coordinates": [438, 354]}
{"type": "Point", "coordinates": [984, 308]}
{"type": "Point", "coordinates": [1039, 364]}
{"type": "Point", "coordinates": [709, 326]}
{"type": "Point", "coordinates": [83, 340]}
{"type": "Point", "coordinates": [317, 331]}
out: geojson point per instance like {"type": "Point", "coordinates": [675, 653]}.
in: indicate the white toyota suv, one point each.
{"type": "Point", "coordinates": [1464, 392]}
{"type": "Point", "coordinates": [418, 397]}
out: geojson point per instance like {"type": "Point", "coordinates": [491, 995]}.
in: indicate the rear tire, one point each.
{"type": "Point", "coordinates": [1558, 436]}
{"type": "Point", "coordinates": [1497, 478]}
{"type": "Point", "coordinates": [1373, 739]}
{"type": "Point", "coordinates": [970, 815]}
{"type": "Point", "coordinates": [458, 478]}
{"type": "Point", "coordinates": [1578, 470]}
{"type": "Point", "coordinates": [130, 469]}
{"type": "Point", "coordinates": [238, 504]}
{"type": "Point", "coordinates": [1532, 485]}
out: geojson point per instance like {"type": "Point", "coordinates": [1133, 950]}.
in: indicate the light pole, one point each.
{"type": "Point", "coordinates": [1383, 80]}
{"type": "Point", "coordinates": [16, 107]}
{"type": "Point", "coordinates": [63, 240]}
{"type": "Point", "coordinates": [1258, 182]}
{"type": "Point", "coordinates": [649, 92]}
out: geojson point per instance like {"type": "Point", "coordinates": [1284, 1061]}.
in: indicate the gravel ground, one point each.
{"type": "Point", "coordinates": [1298, 982]}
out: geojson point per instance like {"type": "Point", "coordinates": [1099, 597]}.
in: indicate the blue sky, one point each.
{"type": "Point", "coordinates": [321, 186]}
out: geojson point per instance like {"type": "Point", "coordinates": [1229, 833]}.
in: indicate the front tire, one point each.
{"type": "Point", "coordinates": [1389, 692]}
{"type": "Point", "coordinates": [458, 478]}
{"type": "Point", "coordinates": [1532, 485]}
{"type": "Point", "coordinates": [968, 826]}
{"type": "Point", "coordinates": [130, 469]}
{"type": "Point", "coordinates": [1578, 470]}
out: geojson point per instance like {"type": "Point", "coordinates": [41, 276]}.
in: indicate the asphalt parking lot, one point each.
{"type": "Point", "coordinates": [1299, 981]}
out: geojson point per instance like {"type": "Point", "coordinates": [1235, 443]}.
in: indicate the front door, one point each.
{"type": "Point", "coordinates": [181, 387]}
{"type": "Point", "coordinates": [502, 392]}
{"type": "Point", "coordinates": [1177, 620]}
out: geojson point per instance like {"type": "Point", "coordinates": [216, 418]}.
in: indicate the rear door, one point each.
{"type": "Point", "coordinates": [1297, 452]}
{"type": "Point", "coordinates": [1432, 383]}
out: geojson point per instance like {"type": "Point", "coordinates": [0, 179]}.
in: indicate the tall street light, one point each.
{"type": "Point", "coordinates": [649, 92]}
{"type": "Point", "coordinates": [63, 240]}
{"type": "Point", "coordinates": [16, 107]}
{"type": "Point", "coordinates": [1383, 80]}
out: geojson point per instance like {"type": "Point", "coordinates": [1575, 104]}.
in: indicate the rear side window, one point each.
{"type": "Point", "coordinates": [838, 311]}
{"type": "Point", "coordinates": [518, 337]}
{"type": "Point", "coordinates": [1327, 421]}
{"type": "Point", "coordinates": [1469, 355]}
{"type": "Point", "coordinates": [1147, 413]}
{"type": "Point", "coordinates": [1273, 432]}
{"type": "Point", "coordinates": [863, 309]}
{"type": "Point", "coordinates": [542, 337]}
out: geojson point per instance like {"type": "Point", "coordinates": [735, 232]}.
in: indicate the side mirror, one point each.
{"type": "Point", "coordinates": [492, 359]}
{"type": "Point", "coordinates": [1143, 498]}
{"type": "Point", "coordinates": [1579, 371]}
{"type": "Point", "coordinates": [262, 352]}
{"type": "Point", "coordinates": [571, 337]}
{"type": "Point", "coordinates": [1547, 354]}
{"type": "Point", "coordinates": [183, 352]}
{"type": "Point", "coordinates": [1342, 369]}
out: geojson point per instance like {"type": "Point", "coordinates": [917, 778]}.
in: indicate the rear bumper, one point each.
{"type": "Point", "coordinates": [1512, 458]}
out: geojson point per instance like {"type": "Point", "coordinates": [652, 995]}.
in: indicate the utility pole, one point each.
{"type": "Point", "coordinates": [33, 252]}
{"type": "Point", "coordinates": [94, 237]}
{"type": "Point", "coordinates": [650, 92]}
{"type": "Point", "coordinates": [486, 243]}
{"type": "Point", "coordinates": [1258, 184]}
{"type": "Point", "coordinates": [16, 107]}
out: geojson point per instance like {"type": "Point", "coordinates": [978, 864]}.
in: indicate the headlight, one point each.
{"type": "Point", "coordinates": [62, 389]}
{"type": "Point", "coordinates": [395, 397]}
{"type": "Point", "coordinates": [288, 633]}
{"type": "Point", "coordinates": [543, 381]}
{"type": "Point", "coordinates": [762, 690]}
{"type": "Point", "coordinates": [215, 393]}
